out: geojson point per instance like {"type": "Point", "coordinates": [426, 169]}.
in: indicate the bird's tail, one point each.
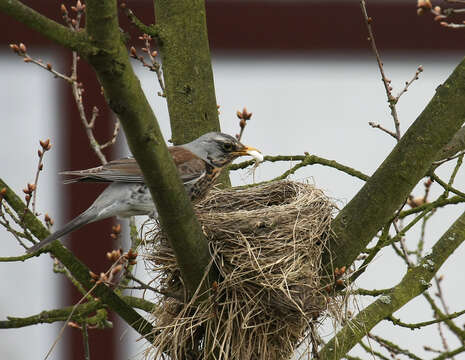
{"type": "Point", "coordinates": [81, 220]}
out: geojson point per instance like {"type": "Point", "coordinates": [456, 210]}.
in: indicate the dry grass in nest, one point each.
{"type": "Point", "coordinates": [267, 243]}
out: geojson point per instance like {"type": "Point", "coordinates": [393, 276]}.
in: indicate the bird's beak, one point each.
{"type": "Point", "coordinates": [255, 153]}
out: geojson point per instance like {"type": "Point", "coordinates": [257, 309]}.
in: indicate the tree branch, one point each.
{"type": "Point", "coordinates": [183, 45]}
{"type": "Point", "coordinates": [145, 140]}
{"type": "Point", "coordinates": [390, 185]}
{"type": "Point", "coordinates": [139, 303]}
{"type": "Point", "coordinates": [305, 160]}
{"type": "Point", "coordinates": [454, 146]}
{"type": "Point", "coordinates": [45, 26]}
{"type": "Point", "coordinates": [413, 284]}
{"type": "Point", "coordinates": [440, 202]}
{"type": "Point", "coordinates": [418, 325]}
{"type": "Point", "coordinates": [50, 316]}
{"type": "Point", "coordinates": [151, 30]}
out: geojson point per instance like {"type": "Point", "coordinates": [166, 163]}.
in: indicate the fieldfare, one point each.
{"type": "Point", "coordinates": [199, 163]}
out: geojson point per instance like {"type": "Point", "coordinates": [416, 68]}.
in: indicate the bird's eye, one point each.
{"type": "Point", "coordinates": [227, 146]}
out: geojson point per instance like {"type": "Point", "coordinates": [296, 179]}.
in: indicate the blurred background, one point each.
{"type": "Point", "coordinates": [306, 72]}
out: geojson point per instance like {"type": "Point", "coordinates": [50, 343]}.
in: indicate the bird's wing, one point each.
{"type": "Point", "coordinates": [121, 170]}
{"type": "Point", "coordinates": [190, 166]}
{"type": "Point", "coordinates": [127, 170]}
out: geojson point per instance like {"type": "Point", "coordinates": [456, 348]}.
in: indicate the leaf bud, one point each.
{"type": "Point", "coordinates": [15, 48]}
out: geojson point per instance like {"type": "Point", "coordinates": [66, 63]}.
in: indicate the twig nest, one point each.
{"type": "Point", "coordinates": [266, 242]}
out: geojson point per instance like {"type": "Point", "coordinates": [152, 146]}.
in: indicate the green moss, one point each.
{"type": "Point", "coordinates": [187, 68]}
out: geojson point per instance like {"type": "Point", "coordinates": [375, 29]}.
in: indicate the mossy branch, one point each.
{"type": "Point", "coordinates": [460, 333]}
{"type": "Point", "coordinates": [124, 94]}
{"type": "Point", "coordinates": [419, 325]}
{"type": "Point", "coordinates": [304, 161]}
{"type": "Point", "coordinates": [151, 30]}
{"type": "Point", "coordinates": [69, 313]}
{"type": "Point", "coordinates": [16, 258]}
{"type": "Point", "coordinates": [456, 144]}
{"type": "Point", "coordinates": [389, 186]}
{"type": "Point", "coordinates": [139, 303]}
{"type": "Point", "coordinates": [450, 354]}
{"type": "Point", "coordinates": [440, 202]}
{"type": "Point", "coordinates": [415, 282]}
{"type": "Point", "coordinates": [187, 69]}
{"type": "Point", "coordinates": [51, 29]}
{"type": "Point", "coordinates": [72, 313]}
{"type": "Point", "coordinates": [393, 348]}
{"type": "Point", "coordinates": [78, 270]}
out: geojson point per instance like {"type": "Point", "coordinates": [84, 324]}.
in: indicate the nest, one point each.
{"type": "Point", "coordinates": [266, 242]}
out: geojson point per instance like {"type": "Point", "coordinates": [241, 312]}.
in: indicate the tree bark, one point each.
{"type": "Point", "coordinates": [187, 69]}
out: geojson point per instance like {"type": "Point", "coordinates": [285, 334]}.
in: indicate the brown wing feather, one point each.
{"type": "Point", "coordinates": [127, 169]}
{"type": "Point", "coordinates": [189, 166]}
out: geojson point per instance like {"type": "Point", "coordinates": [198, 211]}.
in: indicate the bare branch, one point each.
{"type": "Point", "coordinates": [408, 83]}
{"type": "Point", "coordinates": [378, 126]}
{"type": "Point", "coordinates": [386, 82]}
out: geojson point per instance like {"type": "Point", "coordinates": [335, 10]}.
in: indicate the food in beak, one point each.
{"type": "Point", "coordinates": [255, 153]}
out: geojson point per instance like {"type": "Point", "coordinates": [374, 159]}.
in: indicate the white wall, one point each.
{"type": "Point", "coordinates": [28, 103]}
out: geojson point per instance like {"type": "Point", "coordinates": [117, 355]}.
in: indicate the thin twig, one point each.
{"type": "Point", "coordinates": [85, 296]}
{"type": "Point", "coordinates": [437, 163]}
{"type": "Point", "coordinates": [154, 65]}
{"type": "Point", "coordinates": [393, 348]}
{"type": "Point", "coordinates": [60, 334]}
{"type": "Point", "coordinates": [113, 137]}
{"type": "Point", "coordinates": [408, 83]}
{"type": "Point", "coordinates": [85, 340]}
{"type": "Point", "coordinates": [378, 126]}
{"type": "Point", "coordinates": [403, 246]}
{"type": "Point", "coordinates": [77, 88]}
{"type": "Point", "coordinates": [449, 355]}
{"type": "Point", "coordinates": [456, 330]}
{"type": "Point", "coordinates": [243, 117]}
{"type": "Point", "coordinates": [144, 286]}
{"type": "Point", "coordinates": [307, 159]}
{"type": "Point", "coordinates": [418, 325]}
{"type": "Point", "coordinates": [88, 125]}
{"type": "Point", "coordinates": [454, 174]}
{"type": "Point", "coordinates": [46, 146]}
{"type": "Point", "coordinates": [386, 81]}
{"type": "Point", "coordinates": [446, 186]}
{"type": "Point", "coordinates": [372, 352]}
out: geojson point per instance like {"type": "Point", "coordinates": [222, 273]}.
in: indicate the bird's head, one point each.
{"type": "Point", "coordinates": [220, 149]}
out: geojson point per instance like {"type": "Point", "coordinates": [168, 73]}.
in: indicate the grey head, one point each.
{"type": "Point", "coordinates": [220, 149]}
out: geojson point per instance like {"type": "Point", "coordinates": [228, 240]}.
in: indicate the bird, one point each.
{"type": "Point", "coordinates": [199, 163]}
